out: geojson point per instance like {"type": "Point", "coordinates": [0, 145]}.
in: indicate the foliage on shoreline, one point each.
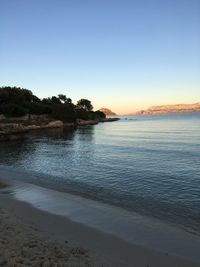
{"type": "Point", "coordinates": [18, 102]}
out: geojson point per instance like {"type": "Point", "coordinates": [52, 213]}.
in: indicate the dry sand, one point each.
{"type": "Point", "coordinates": [21, 245]}
{"type": "Point", "coordinates": [31, 237]}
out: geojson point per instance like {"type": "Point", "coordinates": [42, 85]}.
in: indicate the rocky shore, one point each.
{"type": "Point", "coordinates": [16, 131]}
{"type": "Point", "coordinates": [11, 130]}
{"type": "Point", "coordinates": [93, 122]}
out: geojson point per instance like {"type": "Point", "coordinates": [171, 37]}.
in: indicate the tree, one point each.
{"type": "Point", "coordinates": [51, 100]}
{"type": "Point", "coordinates": [55, 100]}
{"type": "Point", "coordinates": [64, 99]}
{"type": "Point", "coordinates": [47, 101]}
{"type": "Point", "coordinates": [17, 102]}
{"type": "Point", "coordinates": [85, 104]}
{"type": "Point", "coordinates": [69, 101]}
{"type": "Point", "coordinates": [17, 96]}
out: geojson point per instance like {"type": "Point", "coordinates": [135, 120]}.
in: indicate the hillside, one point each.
{"type": "Point", "coordinates": [108, 112]}
{"type": "Point", "coordinates": [172, 109]}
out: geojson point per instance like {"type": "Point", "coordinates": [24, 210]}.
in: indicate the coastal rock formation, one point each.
{"type": "Point", "coordinates": [15, 131]}
{"type": "Point", "coordinates": [172, 109]}
{"type": "Point", "coordinates": [55, 124]}
{"type": "Point", "coordinates": [107, 112]}
{"type": "Point", "coordinates": [110, 119]}
{"type": "Point", "coordinates": [93, 122]}
{"type": "Point", "coordinates": [80, 122]}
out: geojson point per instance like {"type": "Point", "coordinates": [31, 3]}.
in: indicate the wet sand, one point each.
{"type": "Point", "coordinates": [29, 235]}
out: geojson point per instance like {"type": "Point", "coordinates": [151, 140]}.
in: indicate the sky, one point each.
{"type": "Point", "coordinates": [124, 55]}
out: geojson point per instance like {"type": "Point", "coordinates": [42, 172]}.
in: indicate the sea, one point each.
{"type": "Point", "coordinates": [148, 164]}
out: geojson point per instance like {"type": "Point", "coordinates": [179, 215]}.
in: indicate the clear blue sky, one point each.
{"type": "Point", "coordinates": [125, 55]}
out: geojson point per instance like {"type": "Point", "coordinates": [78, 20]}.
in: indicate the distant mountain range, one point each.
{"type": "Point", "coordinates": [108, 112]}
{"type": "Point", "coordinates": [171, 109]}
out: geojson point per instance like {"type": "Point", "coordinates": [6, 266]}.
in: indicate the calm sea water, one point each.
{"type": "Point", "coordinates": [149, 164]}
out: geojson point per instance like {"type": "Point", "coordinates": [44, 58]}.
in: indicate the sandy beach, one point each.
{"type": "Point", "coordinates": [32, 237]}
{"type": "Point", "coordinates": [21, 245]}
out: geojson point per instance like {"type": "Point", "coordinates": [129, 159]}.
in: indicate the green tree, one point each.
{"type": "Point", "coordinates": [47, 101]}
{"type": "Point", "coordinates": [17, 96]}
{"type": "Point", "coordinates": [64, 99]}
{"type": "Point", "coordinates": [55, 100]}
{"type": "Point", "coordinates": [85, 104]}
{"type": "Point", "coordinates": [51, 100]}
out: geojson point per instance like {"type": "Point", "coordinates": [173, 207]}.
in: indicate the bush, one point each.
{"type": "Point", "coordinates": [63, 112]}
{"type": "Point", "coordinates": [82, 114]}
{"type": "Point", "coordinates": [38, 108]}
{"type": "Point", "coordinates": [12, 110]}
{"type": "Point", "coordinates": [16, 95]}
{"type": "Point", "coordinates": [100, 114]}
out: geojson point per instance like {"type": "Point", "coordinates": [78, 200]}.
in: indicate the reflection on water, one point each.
{"type": "Point", "coordinates": [149, 164]}
{"type": "Point", "coordinates": [36, 142]}
{"type": "Point", "coordinates": [13, 152]}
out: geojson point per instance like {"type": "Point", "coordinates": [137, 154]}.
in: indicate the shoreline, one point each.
{"type": "Point", "coordinates": [47, 181]}
{"type": "Point", "coordinates": [94, 247]}
{"type": "Point", "coordinates": [10, 131]}
{"type": "Point", "coordinates": [59, 227]}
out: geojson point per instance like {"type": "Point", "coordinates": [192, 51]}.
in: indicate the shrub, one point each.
{"type": "Point", "coordinates": [12, 110]}
{"type": "Point", "coordinates": [100, 114]}
{"type": "Point", "coordinates": [63, 112]}
{"type": "Point", "coordinates": [38, 108]}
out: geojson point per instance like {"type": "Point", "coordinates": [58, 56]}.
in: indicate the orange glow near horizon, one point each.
{"type": "Point", "coordinates": [124, 107]}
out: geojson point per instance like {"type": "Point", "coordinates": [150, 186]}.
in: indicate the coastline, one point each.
{"type": "Point", "coordinates": [10, 131]}
{"type": "Point", "coordinates": [104, 248]}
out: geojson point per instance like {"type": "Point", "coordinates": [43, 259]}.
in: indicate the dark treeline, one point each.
{"type": "Point", "coordinates": [17, 102]}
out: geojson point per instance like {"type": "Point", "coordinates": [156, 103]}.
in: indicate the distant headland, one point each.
{"type": "Point", "coordinates": [164, 109]}
{"type": "Point", "coordinates": [107, 112]}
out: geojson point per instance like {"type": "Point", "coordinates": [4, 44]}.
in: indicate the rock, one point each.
{"type": "Point", "coordinates": [107, 111]}
{"type": "Point", "coordinates": [84, 122]}
{"type": "Point", "coordinates": [54, 124]}
{"type": "Point", "coordinates": [33, 127]}
{"type": "Point", "coordinates": [109, 119]}
{"type": "Point", "coordinates": [69, 124]}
